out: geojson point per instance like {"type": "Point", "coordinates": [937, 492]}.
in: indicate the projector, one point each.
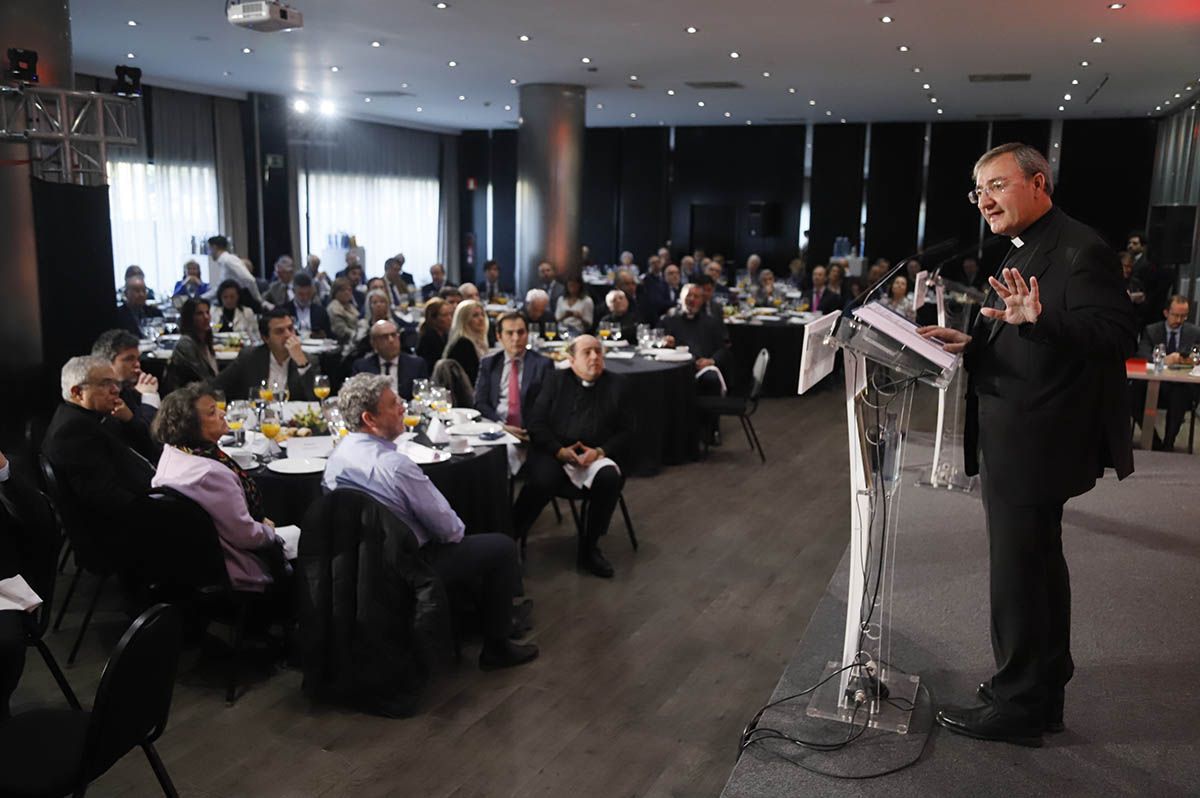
{"type": "Point", "coordinates": [264, 16]}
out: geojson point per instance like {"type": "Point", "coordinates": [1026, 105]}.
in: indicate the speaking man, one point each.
{"type": "Point", "coordinates": [1046, 413]}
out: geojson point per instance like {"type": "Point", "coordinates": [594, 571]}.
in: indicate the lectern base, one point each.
{"type": "Point", "coordinates": [885, 714]}
{"type": "Point", "coordinates": [948, 478]}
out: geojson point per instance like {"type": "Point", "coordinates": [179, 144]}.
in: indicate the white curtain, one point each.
{"type": "Point", "coordinates": [376, 183]}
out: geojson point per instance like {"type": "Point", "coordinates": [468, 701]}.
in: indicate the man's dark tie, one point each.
{"type": "Point", "coordinates": [1172, 341]}
{"type": "Point", "coordinates": [387, 368]}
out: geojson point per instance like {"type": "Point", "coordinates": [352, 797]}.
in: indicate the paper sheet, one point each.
{"type": "Point", "coordinates": [16, 594]}
{"type": "Point", "coordinates": [291, 540]}
{"type": "Point", "coordinates": [582, 476]}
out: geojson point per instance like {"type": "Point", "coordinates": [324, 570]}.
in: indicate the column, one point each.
{"type": "Point", "coordinates": [549, 180]}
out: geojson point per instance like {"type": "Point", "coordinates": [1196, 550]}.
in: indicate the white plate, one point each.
{"type": "Point", "coordinates": [465, 413]}
{"type": "Point", "coordinates": [422, 455]}
{"type": "Point", "coordinates": [475, 428]}
{"type": "Point", "coordinates": [671, 356]}
{"type": "Point", "coordinates": [614, 344]}
{"type": "Point", "coordinates": [298, 465]}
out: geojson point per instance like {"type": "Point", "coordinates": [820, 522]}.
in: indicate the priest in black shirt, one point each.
{"type": "Point", "coordinates": [581, 417]}
{"type": "Point", "coordinates": [1046, 413]}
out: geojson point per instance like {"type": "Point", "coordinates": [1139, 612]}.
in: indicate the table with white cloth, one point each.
{"type": "Point", "coordinates": [1138, 370]}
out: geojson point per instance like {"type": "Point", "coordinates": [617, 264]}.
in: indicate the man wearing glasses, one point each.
{"type": "Point", "coordinates": [1047, 411]}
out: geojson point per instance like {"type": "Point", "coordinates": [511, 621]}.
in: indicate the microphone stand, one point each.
{"type": "Point", "coordinates": [938, 248]}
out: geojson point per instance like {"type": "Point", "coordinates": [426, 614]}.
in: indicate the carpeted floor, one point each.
{"type": "Point", "coordinates": [1131, 712]}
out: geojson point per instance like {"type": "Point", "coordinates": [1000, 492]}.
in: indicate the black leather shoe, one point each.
{"type": "Point", "coordinates": [1052, 721]}
{"type": "Point", "coordinates": [508, 654]}
{"type": "Point", "coordinates": [592, 561]}
{"type": "Point", "coordinates": [986, 723]}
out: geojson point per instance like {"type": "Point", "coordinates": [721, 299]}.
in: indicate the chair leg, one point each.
{"type": "Point", "coordinates": [66, 555]}
{"type": "Point", "coordinates": [67, 598]}
{"type": "Point", "coordinates": [57, 673]}
{"type": "Point", "coordinates": [87, 619]}
{"type": "Point", "coordinates": [1192, 432]}
{"type": "Point", "coordinates": [160, 771]}
{"type": "Point", "coordinates": [576, 516]}
{"type": "Point", "coordinates": [628, 522]}
{"type": "Point", "coordinates": [754, 434]}
{"type": "Point", "coordinates": [239, 631]}
{"type": "Point", "coordinates": [746, 430]}
{"type": "Point", "coordinates": [557, 511]}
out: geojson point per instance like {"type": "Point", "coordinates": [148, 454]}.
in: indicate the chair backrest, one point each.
{"type": "Point", "coordinates": [91, 549]}
{"type": "Point", "coordinates": [177, 542]}
{"type": "Point", "coordinates": [759, 372]}
{"type": "Point", "coordinates": [449, 373]}
{"type": "Point", "coordinates": [50, 480]}
{"type": "Point", "coordinates": [134, 696]}
{"type": "Point", "coordinates": [39, 544]}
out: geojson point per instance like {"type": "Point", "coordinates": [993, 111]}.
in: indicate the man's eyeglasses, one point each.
{"type": "Point", "coordinates": [997, 186]}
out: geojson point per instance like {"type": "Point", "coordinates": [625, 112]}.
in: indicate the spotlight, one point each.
{"type": "Point", "coordinates": [327, 108]}
{"type": "Point", "coordinates": [22, 65]}
{"type": "Point", "coordinates": [129, 81]}
{"type": "Point", "coordinates": [300, 106]}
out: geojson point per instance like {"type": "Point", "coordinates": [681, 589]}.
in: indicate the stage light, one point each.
{"type": "Point", "coordinates": [300, 106]}
{"type": "Point", "coordinates": [22, 65]}
{"type": "Point", "coordinates": [129, 81]}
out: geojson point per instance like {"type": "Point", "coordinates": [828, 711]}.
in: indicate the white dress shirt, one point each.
{"type": "Point", "coordinates": [277, 373]}
{"type": "Point", "coordinates": [230, 267]}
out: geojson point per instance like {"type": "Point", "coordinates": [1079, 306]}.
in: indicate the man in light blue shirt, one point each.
{"type": "Point", "coordinates": [483, 567]}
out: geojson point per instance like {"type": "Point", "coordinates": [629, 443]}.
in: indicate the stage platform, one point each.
{"type": "Point", "coordinates": [1133, 707]}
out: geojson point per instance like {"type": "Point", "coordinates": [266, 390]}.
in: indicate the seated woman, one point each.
{"type": "Point", "coordinates": [575, 308]}
{"type": "Point", "coordinates": [898, 299]}
{"type": "Point", "coordinates": [344, 317]}
{"type": "Point", "coordinates": [192, 285]}
{"type": "Point", "coordinates": [193, 359]}
{"type": "Point", "coordinates": [189, 424]}
{"type": "Point", "coordinates": [378, 307]}
{"type": "Point", "coordinates": [232, 315]}
{"type": "Point", "coordinates": [468, 341]}
{"type": "Point", "coordinates": [435, 328]}
{"type": "Point", "coordinates": [619, 316]}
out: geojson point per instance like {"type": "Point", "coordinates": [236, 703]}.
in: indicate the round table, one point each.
{"type": "Point", "coordinates": [475, 485]}
{"type": "Point", "coordinates": [663, 397]}
{"type": "Point", "coordinates": [782, 339]}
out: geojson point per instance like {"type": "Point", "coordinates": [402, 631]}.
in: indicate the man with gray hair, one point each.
{"type": "Point", "coordinates": [537, 312]}
{"type": "Point", "coordinates": [281, 291]}
{"type": "Point", "coordinates": [98, 472]}
{"type": "Point", "coordinates": [1046, 413]}
{"type": "Point", "coordinates": [483, 567]}
{"type": "Point", "coordinates": [135, 310]}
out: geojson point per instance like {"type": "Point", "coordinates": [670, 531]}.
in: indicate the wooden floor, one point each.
{"type": "Point", "coordinates": [643, 685]}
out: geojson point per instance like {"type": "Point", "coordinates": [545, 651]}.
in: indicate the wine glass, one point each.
{"type": "Point", "coordinates": [269, 423]}
{"type": "Point", "coordinates": [266, 390]}
{"type": "Point", "coordinates": [219, 398]}
{"type": "Point", "coordinates": [1194, 355]}
{"type": "Point", "coordinates": [605, 330]}
{"type": "Point", "coordinates": [615, 331]}
{"type": "Point", "coordinates": [321, 387]}
{"type": "Point", "coordinates": [239, 413]}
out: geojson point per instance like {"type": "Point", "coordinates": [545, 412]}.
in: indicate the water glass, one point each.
{"type": "Point", "coordinates": [1160, 357]}
{"type": "Point", "coordinates": [644, 336]}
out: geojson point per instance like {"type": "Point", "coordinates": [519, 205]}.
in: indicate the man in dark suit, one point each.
{"type": "Point", "coordinates": [400, 284]}
{"type": "Point", "coordinates": [515, 366]}
{"type": "Point", "coordinates": [281, 289]}
{"type": "Point", "coordinates": [548, 281]}
{"type": "Point", "coordinates": [581, 417]}
{"type": "Point", "coordinates": [135, 309]}
{"type": "Point", "coordinates": [389, 361]}
{"type": "Point", "coordinates": [1177, 335]}
{"type": "Point", "coordinates": [308, 315]}
{"type": "Point", "coordinates": [491, 288]}
{"type": "Point", "coordinates": [1046, 412]}
{"type": "Point", "coordinates": [139, 390]}
{"type": "Point", "coordinates": [1157, 281]}
{"type": "Point", "coordinates": [437, 281]}
{"type": "Point", "coordinates": [280, 360]}
{"type": "Point", "coordinates": [820, 299]}
{"type": "Point", "coordinates": [721, 293]}
{"type": "Point", "coordinates": [97, 470]}
{"type": "Point", "coordinates": [653, 295]}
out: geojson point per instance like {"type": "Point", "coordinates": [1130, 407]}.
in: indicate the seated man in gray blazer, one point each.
{"type": "Point", "coordinates": [389, 361]}
{"type": "Point", "coordinates": [279, 360]}
{"type": "Point", "coordinates": [1178, 335]}
{"type": "Point", "coordinates": [493, 388]}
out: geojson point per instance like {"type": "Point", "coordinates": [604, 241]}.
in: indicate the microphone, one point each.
{"type": "Point", "coordinates": [986, 244]}
{"type": "Point", "coordinates": [936, 249]}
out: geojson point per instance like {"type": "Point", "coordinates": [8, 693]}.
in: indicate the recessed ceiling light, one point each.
{"type": "Point", "coordinates": [633, 77]}
{"type": "Point", "coordinates": [933, 99]}
{"type": "Point", "coordinates": [903, 48]}
{"type": "Point", "coordinates": [335, 69]}
{"type": "Point", "coordinates": [1075, 82]}
{"type": "Point", "coordinates": [377, 44]}
{"type": "Point", "coordinates": [916, 70]}
{"type": "Point", "coordinates": [462, 97]}
{"type": "Point", "coordinates": [585, 60]}
{"type": "Point", "coordinates": [1158, 108]}
{"type": "Point", "coordinates": [599, 106]}
{"type": "Point", "coordinates": [842, 120]}
{"type": "Point", "coordinates": [735, 54]}
{"type": "Point", "coordinates": [1097, 40]}
{"type": "Point", "coordinates": [132, 23]}
{"type": "Point", "coordinates": [524, 37]}
{"type": "Point", "coordinates": [226, 73]}
{"type": "Point", "coordinates": [766, 74]}
{"type": "Point", "coordinates": [326, 108]}
{"type": "Point", "coordinates": [419, 109]}
{"type": "Point", "coordinates": [792, 90]}
{"type": "Point", "coordinates": [700, 104]}
{"type": "Point", "coordinates": [748, 122]}
{"type": "Point", "coordinates": [829, 113]}
{"type": "Point", "coordinates": [1067, 97]}
{"type": "Point", "coordinates": [441, 6]}
{"type": "Point", "coordinates": [812, 102]}
{"type": "Point", "coordinates": [924, 85]}
{"type": "Point", "coordinates": [512, 81]}
{"type": "Point", "coordinates": [404, 85]}
{"type": "Point", "coordinates": [451, 64]}
{"type": "Point", "coordinates": [939, 110]}
{"type": "Point", "coordinates": [1062, 107]}
{"type": "Point", "coordinates": [1083, 64]}
{"type": "Point", "coordinates": [366, 99]}
{"type": "Point", "coordinates": [508, 108]}
{"type": "Point", "coordinates": [300, 106]}
{"type": "Point", "coordinates": [1056, 145]}
{"type": "Point", "coordinates": [670, 92]}
{"type": "Point", "coordinates": [1187, 88]}
{"type": "Point", "coordinates": [1166, 102]}
{"type": "Point", "coordinates": [727, 114]}
{"type": "Point", "coordinates": [691, 29]}
{"type": "Point", "coordinates": [246, 51]}
{"type": "Point", "coordinates": [130, 55]}
{"type": "Point", "coordinates": [633, 116]}
{"type": "Point", "coordinates": [885, 20]}
{"type": "Point", "coordinates": [1177, 95]}
{"type": "Point", "coordinates": [1115, 6]}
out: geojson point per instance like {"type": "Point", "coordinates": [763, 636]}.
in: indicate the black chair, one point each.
{"type": "Point", "coordinates": [54, 752]}
{"type": "Point", "coordinates": [92, 554]}
{"type": "Point", "coordinates": [741, 406]}
{"type": "Point", "coordinates": [182, 560]}
{"type": "Point", "coordinates": [573, 494]}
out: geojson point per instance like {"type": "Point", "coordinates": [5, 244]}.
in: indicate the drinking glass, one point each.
{"type": "Point", "coordinates": [605, 330]}
{"type": "Point", "coordinates": [420, 389]}
{"type": "Point", "coordinates": [616, 331]}
{"type": "Point", "coordinates": [1160, 357]}
{"type": "Point", "coordinates": [643, 335]}
{"type": "Point", "coordinates": [269, 424]}
{"type": "Point", "coordinates": [266, 391]}
{"type": "Point", "coordinates": [1194, 355]}
{"type": "Point", "coordinates": [219, 397]}
{"type": "Point", "coordinates": [550, 331]}
{"type": "Point", "coordinates": [321, 387]}
{"type": "Point", "coordinates": [240, 413]}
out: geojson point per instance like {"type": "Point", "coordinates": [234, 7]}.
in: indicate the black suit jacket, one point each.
{"type": "Point", "coordinates": [127, 321]}
{"type": "Point", "coordinates": [831, 301]}
{"type": "Point", "coordinates": [1155, 334]}
{"type": "Point", "coordinates": [93, 464]}
{"type": "Point", "coordinates": [487, 387]}
{"type": "Point", "coordinates": [253, 366]}
{"type": "Point", "coordinates": [566, 411]}
{"type": "Point", "coordinates": [318, 318]}
{"type": "Point", "coordinates": [408, 368]}
{"type": "Point", "coordinates": [1046, 403]}
{"type": "Point", "coordinates": [430, 347]}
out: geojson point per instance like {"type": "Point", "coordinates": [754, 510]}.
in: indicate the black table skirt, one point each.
{"type": "Point", "coordinates": [663, 396]}
{"type": "Point", "coordinates": [785, 343]}
{"type": "Point", "coordinates": [475, 485]}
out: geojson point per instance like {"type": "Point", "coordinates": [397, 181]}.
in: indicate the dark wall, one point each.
{"type": "Point", "coordinates": [837, 184]}
{"type": "Point", "coordinates": [953, 149]}
{"type": "Point", "coordinates": [504, 203]}
{"type": "Point", "coordinates": [894, 190]}
{"type": "Point", "coordinates": [601, 203]}
{"type": "Point", "coordinates": [643, 221]}
{"type": "Point", "coordinates": [277, 192]}
{"type": "Point", "coordinates": [474, 163]}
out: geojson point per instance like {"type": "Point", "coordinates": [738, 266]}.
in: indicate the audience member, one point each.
{"type": "Point", "coordinates": [689, 268]}
{"type": "Point", "coordinates": [139, 390]}
{"type": "Point", "coordinates": [280, 360]}
{"type": "Point", "coordinates": [280, 291]}
{"type": "Point", "coordinates": [705, 336]}
{"type": "Point", "coordinates": [619, 316]}
{"type": "Point", "coordinates": [224, 265]}
{"type": "Point", "coordinates": [192, 284]}
{"type": "Point", "coordinates": [548, 281]}
{"type": "Point", "coordinates": [469, 291]}
{"type": "Point", "coordinates": [491, 290]}
{"type": "Point", "coordinates": [135, 310]}
{"type": "Point", "coordinates": [836, 277]}
{"type": "Point", "coordinates": [580, 431]}
{"type": "Point", "coordinates": [821, 299]}
{"type": "Point", "coordinates": [468, 340]}
{"type": "Point", "coordinates": [721, 292]}
{"type": "Point", "coordinates": [509, 380]}
{"type": "Point", "coordinates": [971, 274]}
{"type": "Point", "coordinates": [898, 298]}
{"type": "Point", "coordinates": [753, 269]}
{"type": "Point", "coordinates": [767, 290]}
{"type": "Point", "coordinates": [627, 282]}
{"type": "Point", "coordinates": [1133, 286]}
{"type": "Point", "coordinates": [400, 287]}
{"type": "Point", "coordinates": [451, 295]}
{"type": "Point", "coordinates": [1157, 281]}
{"type": "Point", "coordinates": [481, 567]}
{"type": "Point", "coordinates": [437, 281]}
{"type": "Point", "coordinates": [312, 268]}
{"type": "Point", "coordinates": [664, 257]}
{"type": "Point", "coordinates": [673, 278]}
{"type": "Point", "coordinates": [575, 309]}
{"type": "Point", "coordinates": [133, 271]}
{"type": "Point", "coordinates": [189, 425]}
{"type": "Point", "coordinates": [343, 313]}
{"type": "Point", "coordinates": [311, 319]}
{"type": "Point", "coordinates": [1177, 335]}
{"type": "Point", "coordinates": [387, 360]}
{"type": "Point", "coordinates": [232, 315]}
{"type": "Point", "coordinates": [434, 331]}
{"type": "Point", "coordinates": [707, 287]}
{"type": "Point", "coordinates": [193, 359]}
{"type": "Point", "coordinates": [798, 275]}
{"type": "Point", "coordinates": [537, 312]}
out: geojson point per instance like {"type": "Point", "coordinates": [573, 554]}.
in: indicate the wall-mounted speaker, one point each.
{"type": "Point", "coordinates": [765, 219]}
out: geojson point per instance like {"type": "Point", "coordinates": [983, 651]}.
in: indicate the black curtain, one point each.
{"type": "Point", "coordinates": [504, 203]}
{"type": "Point", "coordinates": [837, 186]}
{"type": "Point", "coordinates": [645, 187]}
{"type": "Point", "coordinates": [601, 199]}
{"type": "Point", "coordinates": [894, 190]}
{"type": "Point", "coordinates": [953, 149]}
{"type": "Point", "coordinates": [473, 163]}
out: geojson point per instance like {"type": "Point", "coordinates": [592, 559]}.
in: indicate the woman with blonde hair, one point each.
{"type": "Point", "coordinates": [468, 341]}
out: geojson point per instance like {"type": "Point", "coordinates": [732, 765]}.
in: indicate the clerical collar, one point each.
{"type": "Point", "coordinates": [1030, 234]}
{"type": "Point", "coordinates": [1017, 242]}
{"type": "Point", "coordinates": [586, 384]}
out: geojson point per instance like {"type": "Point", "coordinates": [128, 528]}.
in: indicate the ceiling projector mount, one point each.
{"type": "Point", "coordinates": [264, 16]}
